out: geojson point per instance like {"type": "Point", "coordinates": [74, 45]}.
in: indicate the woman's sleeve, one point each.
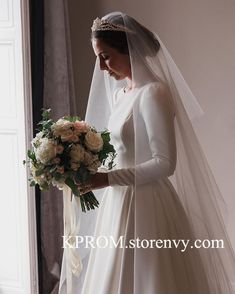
{"type": "Point", "coordinates": [158, 116]}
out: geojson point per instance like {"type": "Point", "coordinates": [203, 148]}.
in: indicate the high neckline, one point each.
{"type": "Point", "coordinates": [129, 91]}
{"type": "Point", "coordinates": [126, 90]}
{"type": "Point", "coordinates": [134, 89]}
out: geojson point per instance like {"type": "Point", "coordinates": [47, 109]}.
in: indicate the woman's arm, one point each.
{"type": "Point", "coordinates": [158, 116]}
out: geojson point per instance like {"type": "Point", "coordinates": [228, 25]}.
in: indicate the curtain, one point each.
{"type": "Point", "coordinates": [59, 95]}
{"type": "Point", "coordinates": [37, 69]}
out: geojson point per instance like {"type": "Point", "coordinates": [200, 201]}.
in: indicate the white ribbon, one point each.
{"type": "Point", "coordinates": [71, 229]}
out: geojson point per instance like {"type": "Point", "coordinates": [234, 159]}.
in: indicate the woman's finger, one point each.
{"type": "Point", "coordinates": [83, 189]}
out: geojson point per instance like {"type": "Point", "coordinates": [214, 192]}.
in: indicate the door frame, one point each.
{"type": "Point", "coordinates": [27, 81]}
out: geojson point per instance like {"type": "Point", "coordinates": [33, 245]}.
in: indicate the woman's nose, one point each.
{"type": "Point", "coordinates": [103, 66]}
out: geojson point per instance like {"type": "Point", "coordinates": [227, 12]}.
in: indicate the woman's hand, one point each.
{"type": "Point", "coordinates": [98, 181]}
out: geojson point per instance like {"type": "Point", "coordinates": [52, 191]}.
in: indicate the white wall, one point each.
{"type": "Point", "coordinates": [200, 36]}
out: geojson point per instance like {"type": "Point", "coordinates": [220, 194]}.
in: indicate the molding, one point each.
{"type": "Point", "coordinates": [7, 20]}
{"type": "Point", "coordinates": [8, 50]}
{"type": "Point", "coordinates": [25, 17]}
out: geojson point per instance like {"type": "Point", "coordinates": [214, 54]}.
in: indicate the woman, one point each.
{"type": "Point", "coordinates": [138, 93]}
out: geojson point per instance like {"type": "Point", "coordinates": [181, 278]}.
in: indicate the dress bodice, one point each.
{"type": "Point", "coordinates": [122, 128]}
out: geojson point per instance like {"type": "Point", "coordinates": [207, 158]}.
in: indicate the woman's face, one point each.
{"type": "Point", "coordinates": [116, 63]}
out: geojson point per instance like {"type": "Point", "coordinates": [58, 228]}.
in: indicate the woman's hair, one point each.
{"type": "Point", "coordinates": [118, 39]}
{"type": "Point", "coordinates": [114, 39]}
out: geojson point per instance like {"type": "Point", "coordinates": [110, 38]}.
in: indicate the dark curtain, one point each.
{"type": "Point", "coordinates": [52, 87]}
{"type": "Point", "coordinates": [37, 67]}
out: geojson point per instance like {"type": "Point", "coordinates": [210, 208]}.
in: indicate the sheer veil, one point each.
{"type": "Point", "coordinates": [193, 179]}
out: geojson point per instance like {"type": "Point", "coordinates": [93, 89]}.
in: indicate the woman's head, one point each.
{"type": "Point", "coordinates": [115, 41]}
{"type": "Point", "coordinates": [115, 63]}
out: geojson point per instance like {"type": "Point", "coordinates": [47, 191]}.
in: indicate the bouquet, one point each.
{"type": "Point", "coordinates": [68, 152]}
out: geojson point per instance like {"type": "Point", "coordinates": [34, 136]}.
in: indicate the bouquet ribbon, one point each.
{"type": "Point", "coordinates": [71, 229]}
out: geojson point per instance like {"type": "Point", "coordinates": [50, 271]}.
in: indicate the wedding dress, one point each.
{"type": "Point", "coordinates": [110, 270]}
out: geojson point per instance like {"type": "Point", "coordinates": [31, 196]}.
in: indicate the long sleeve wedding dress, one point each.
{"type": "Point", "coordinates": [162, 270]}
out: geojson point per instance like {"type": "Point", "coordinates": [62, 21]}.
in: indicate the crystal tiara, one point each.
{"type": "Point", "coordinates": [104, 25]}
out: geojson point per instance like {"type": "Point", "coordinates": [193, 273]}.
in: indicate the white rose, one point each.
{"type": "Point", "coordinates": [46, 150]}
{"type": "Point", "coordinates": [38, 179]}
{"type": "Point", "coordinates": [36, 141]}
{"type": "Point", "coordinates": [61, 124]}
{"type": "Point", "coordinates": [77, 153]}
{"type": "Point", "coordinates": [62, 128]}
{"type": "Point", "coordinates": [94, 141]}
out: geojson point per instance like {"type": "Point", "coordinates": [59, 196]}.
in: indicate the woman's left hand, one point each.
{"type": "Point", "coordinates": [98, 181]}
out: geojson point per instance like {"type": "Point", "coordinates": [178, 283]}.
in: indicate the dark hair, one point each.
{"type": "Point", "coordinates": [118, 39]}
{"type": "Point", "coordinates": [114, 39]}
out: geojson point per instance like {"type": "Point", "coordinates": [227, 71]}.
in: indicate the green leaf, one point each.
{"type": "Point", "coordinates": [46, 113]}
{"type": "Point", "coordinates": [31, 155]}
{"type": "Point", "coordinates": [105, 136]}
{"type": "Point", "coordinates": [72, 118]}
{"type": "Point", "coordinates": [47, 124]}
{"type": "Point", "coordinates": [32, 183]}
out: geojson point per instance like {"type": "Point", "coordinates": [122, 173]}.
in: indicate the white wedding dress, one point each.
{"type": "Point", "coordinates": [157, 271]}
{"type": "Point", "coordinates": [162, 271]}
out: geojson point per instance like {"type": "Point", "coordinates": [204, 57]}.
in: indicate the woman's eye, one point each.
{"type": "Point", "coordinates": [105, 57]}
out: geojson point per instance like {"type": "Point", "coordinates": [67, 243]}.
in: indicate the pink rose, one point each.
{"type": "Point", "coordinates": [81, 127]}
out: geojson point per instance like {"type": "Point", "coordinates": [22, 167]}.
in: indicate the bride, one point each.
{"type": "Point", "coordinates": [161, 197]}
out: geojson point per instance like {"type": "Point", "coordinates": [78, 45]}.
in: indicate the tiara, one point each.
{"type": "Point", "coordinates": [104, 25]}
